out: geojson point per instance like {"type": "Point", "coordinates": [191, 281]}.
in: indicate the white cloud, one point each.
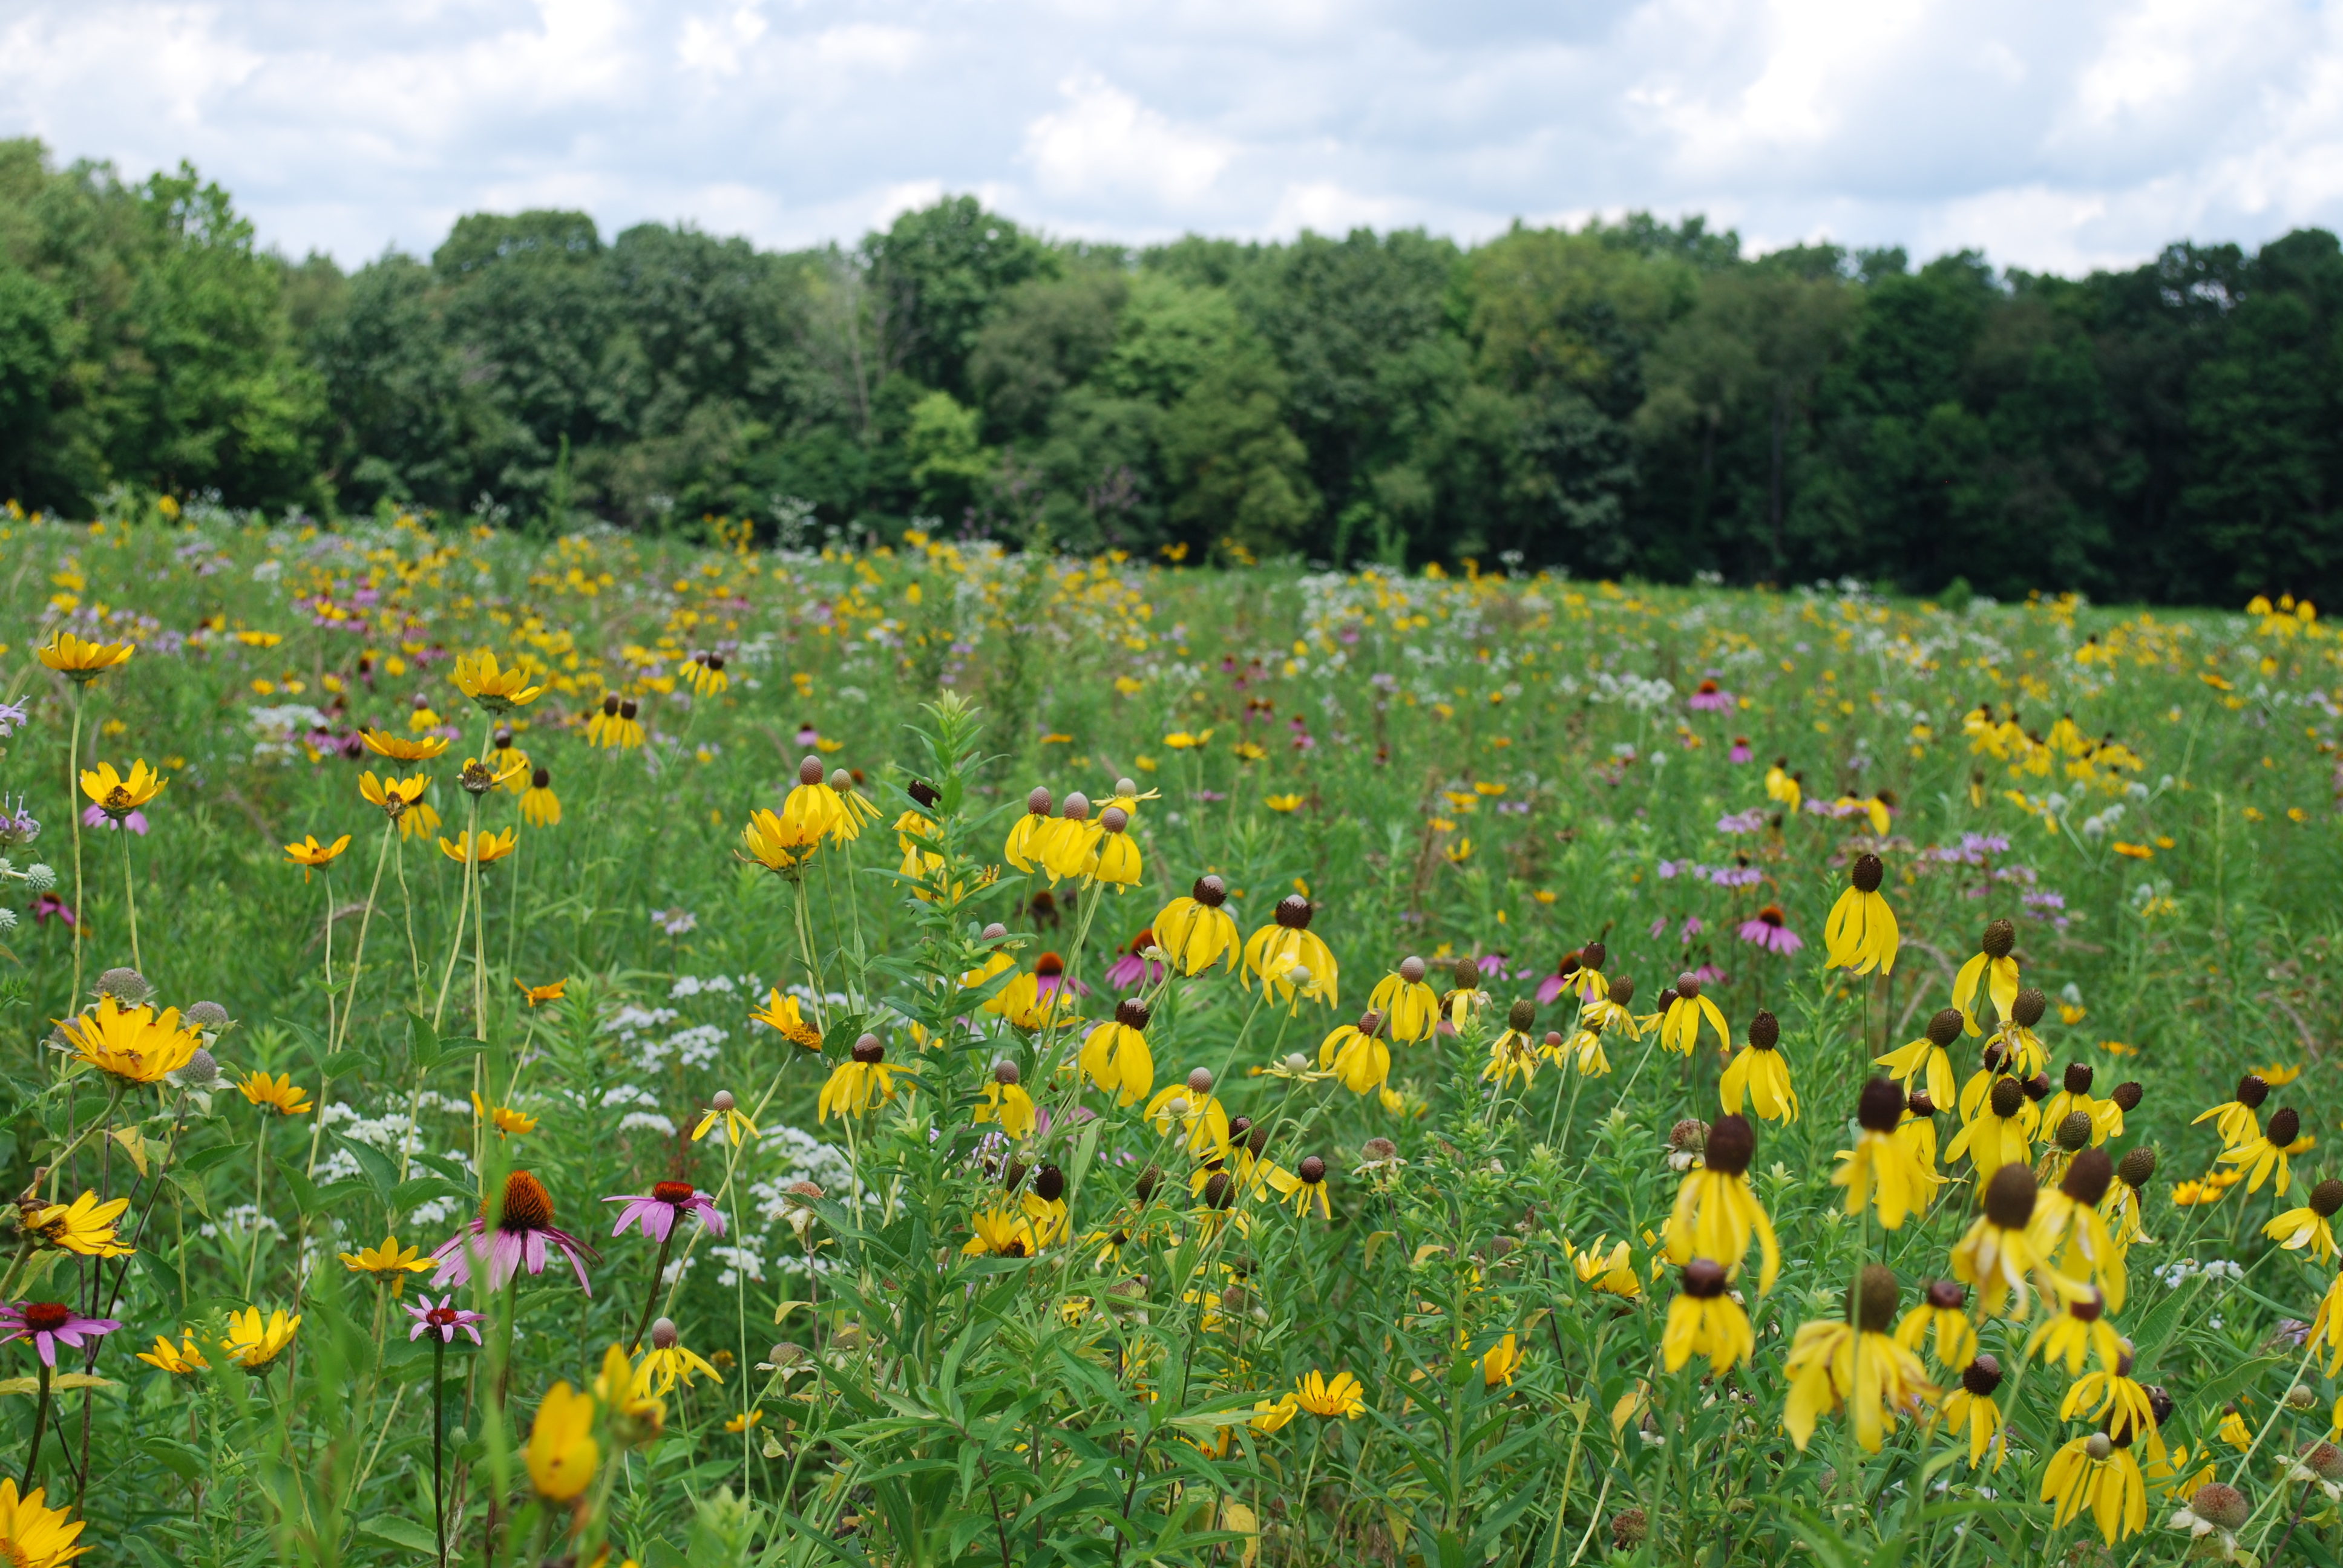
{"type": "Point", "coordinates": [2052, 136]}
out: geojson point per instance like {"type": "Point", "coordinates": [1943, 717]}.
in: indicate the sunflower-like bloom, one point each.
{"type": "Point", "coordinates": [182, 1359]}
{"type": "Point", "coordinates": [254, 1345]}
{"type": "Point", "coordinates": [782, 1014]}
{"type": "Point", "coordinates": [400, 748]}
{"type": "Point", "coordinates": [1500, 1361]}
{"type": "Point", "coordinates": [1003, 1099]}
{"type": "Point", "coordinates": [1115, 1054]}
{"type": "Point", "coordinates": [1275, 950]}
{"type": "Point", "coordinates": [1999, 1134]}
{"type": "Point", "coordinates": [1355, 1056]}
{"type": "Point", "coordinates": [773, 841]}
{"type": "Point", "coordinates": [1610, 1270]}
{"type": "Point", "coordinates": [402, 801]}
{"type": "Point", "coordinates": [2110, 1396]}
{"type": "Point", "coordinates": [1680, 1021]}
{"type": "Point", "coordinates": [1002, 1230]}
{"type": "Point", "coordinates": [480, 848]}
{"type": "Point", "coordinates": [120, 794]}
{"type": "Point", "coordinates": [1304, 1187]}
{"type": "Point", "coordinates": [1760, 1075]}
{"type": "Point", "coordinates": [1409, 1007]}
{"type": "Point", "coordinates": [132, 1043]}
{"type": "Point", "coordinates": [1924, 1066]}
{"type": "Point", "coordinates": [1971, 1409]}
{"type": "Point", "coordinates": [857, 1085]}
{"type": "Point", "coordinates": [2309, 1226]}
{"type": "Point", "coordinates": [1191, 1112]}
{"type": "Point", "coordinates": [2102, 1474]}
{"type": "Point", "coordinates": [1993, 1255]}
{"type": "Point", "coordinates": [2257, 1156]}
{"type": "Point", "coordinates": [540, 806]}
{"type": "Point", "coordinates": [394, 1259]}
{"type": "Point", "coordinates": [1880, 1168]}
{"type": "Point", "coordinates": [1861, 933]}
{"type": "Point", "coordinates": [1343, 1395]}
{"type": "Point", "coordinates": [1990, 975]}
{"type": "Point", "coordinates": [562, 1453]}
{"type": "Point", "coordinates": [1716, 1214]}
{"type": "Point", "coordinates": [1704, 1321]}
{"type": "Point", "coordinates": [2238, 1120]}
{"type": "Point", "coordinates": [83, 660]}
{"type": "Point", "coordinates": [32, 1535]}
{"type": "Point", "coordinates": [2069, 1232]}
{"type": "Point", "coordinates": [478, 676]}
{"type": "Point", "coordinates": [279, 1093]}
{"type": "Point", "coordinates": [1195, 931]}
{"type": "Point", "coordinates": [2082, 1330]}
{"type": "Point", "coordinates": [1942, 1310]}
{"type": "Point", "coordinates": [1855, 1362]}
{"type": "Point", "coordinates": [85, 1227]}
{"type": "Point", "coordinates": [309, 854]}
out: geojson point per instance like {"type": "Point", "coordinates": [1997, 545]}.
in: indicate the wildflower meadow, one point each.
{"type": "Point", "coordinates": [592, 1049]}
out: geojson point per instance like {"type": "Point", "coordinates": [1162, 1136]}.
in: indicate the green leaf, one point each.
{"type": "Point", "coordinates": [403, 1533]}
{"type": "Point", "coordinates": [297, 1181]}
{"type": "Point", "coordinates": [374, 1162]}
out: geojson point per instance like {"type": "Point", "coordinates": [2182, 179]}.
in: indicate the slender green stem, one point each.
{"type": "Point", "coordinates": [129, 896]}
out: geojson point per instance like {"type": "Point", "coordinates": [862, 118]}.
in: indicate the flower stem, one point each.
{"type": "Point", "coordinates": [439, 1443]}
{"type": "Point", "coordinates": [129, 896]}
{"type": "Point", "coordinates": [651, 1293]}
{"type": "Point", "coordinates": [40, 1430]}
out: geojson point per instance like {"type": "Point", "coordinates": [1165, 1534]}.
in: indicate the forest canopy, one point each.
{"type": "Point", "coordinates": [1626, 398]}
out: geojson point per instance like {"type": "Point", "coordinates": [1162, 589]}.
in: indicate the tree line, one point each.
{"type": "Point", "coordinates": [1636, 397]}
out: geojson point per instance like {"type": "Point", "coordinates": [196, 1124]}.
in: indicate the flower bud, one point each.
{"type": "Point", "coordinates": [2099, 1446]}
{"type": "Point", "coordinates": [126, 986]}
{"type": "Point", "coordinates": [201, 1069]}
{"type": "Point", "coordinates": [1298, 977]}
{"type": "Point", "coordinates": [1296, 1062]}
{"type": "Point", "coordinates": [2301, 1397]}
{"type": "Point", "coordinates": [207, 1016]}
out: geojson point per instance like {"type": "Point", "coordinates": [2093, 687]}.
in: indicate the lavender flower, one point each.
{"type": "Point", "coordinates": [443, 1319]}
{"type": "Point", "coordinates": [658, 1210]}
{"type": "Point", "coordinates": [49, 1324]}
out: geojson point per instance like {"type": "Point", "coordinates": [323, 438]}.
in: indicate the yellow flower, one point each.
{"type": "Point", "coordinates": [1759, 1074]}
{"type": "Point", "coordinates": [82, 661]}
{"type": "Point", "coordinates": [538, 994]}
{"type": "Point", "coordinates": [1942, 1309]}
{"type": "Point", "coordinates": [1344, 1396]}
{"type": "Point", "coordinates": [391, 1258]}
{"type": "Point", "coordinates": [1716, 1214]}
{"type": "Point", "coordinates": [1195, 932]}
{"type": "Point", "coordinates": [635, 1418]}
{"type": "Point", "coordinates": [480, 848]}
{"type": "Point", "coordinates": [614, 725]}
{"type": "Point", "coordinates": [1612, 1272]}
{"type": "Point", "coordinates": [723, 1108]}
{"type": "Point", "coordinates": [705, 671]}
{"type": "Point", "coordinates": [1305, 1186]}
{"type": "Point", "coordinates": [2000, 1134]}
{"type": "Point", "coordinates": [1995, 1256]}
{"type": "Point", "coordinates": [1005, 1231]}
{"type": "Point", "coordinates": [401, 800]}
{"type": "Point", "coordinates": [33, 1535]}
{"type": "Point", "coordinates": [505, 1117]}
{"type": "Point", "coordinates": [2080, 1331]}
{"type": "Point", "coordinates": [131, 1043]}
{"type": "Point", "coordinates": [181, 1360]}
{"type": "Point", "coordinates": [1991, 973]}
{"type": "Point", "coordinates": [1832, 1358]}
{"type": "Point", "coordinates": [1680, 1023]}
{"type": "Point", "coordinates": [1004, 1101]}
{"type": "Point", "coordinates": [1924, 1066]}
{"type": "Point", "coordinates": [262, 1090]}
{"type": "Point", "coordinates": [84, 1226]}
{"type": "Point", "coordinates": [1273, 1415]}
{"type": "Point", "coordinates": [776, 844]}
{"type": "Point", "coordinates": [400, 748]}
{"type": "Point", "coordinates": [497, 690]}
{"type": "Point", "coordinates": [2326, 1326]}
{"type": "Point", "coordinates": [1410, 1007]}
{"type": "Point", "coordinates": [1861, 932]}
{"type": "Point", "coordinates": [1029, 1004]}
{"type": "Point", "coordinates": [117, 794]}
{"type": "Point", "coordinates": [309, 854]}
{"type": "Point", "coordinates": [1355, 1056]}
{"type": "Point", "coordinates": [782, 1013]}
{"type": "Point", "coordinates": [1500, 1361]}
{"type": "Point", "coordinates": [2310, 1226]}
{"type": "Point", "coordinates": [746, 1419]}
{"type": "Point", "coordinates": [1283, 802]}
{"type": "Point", "coordinates": [562, 1453]}
{"type": "Point", "coordinates": [1704, 1320]}
{"type": "Point", "coordinates": [2098, 1473]}
{"type": "Point", "coordinates": [255, 1345]}
{"type": "Point", "coordinates": [1275, 952]}
{"type": "Point", "coordinates": [1115, 1056]}
{"type": "Point", "coordinates": [858, 1084]}
{"type": "Point", "coordinates": [1972, 1409]}
{"type": "Point", "coordinates": [2257, 1155]}
{"type": "Point", "coordinates": [2110, 1397]}
{"type": "Point", "coordinates": [667, 1363]}
{"type": "Point", "coordinates": [1882, 1169]}
{"type": "Point", "coordinates": [1180, 741]}
{"type": "Point", "coordinates": [540, 806]}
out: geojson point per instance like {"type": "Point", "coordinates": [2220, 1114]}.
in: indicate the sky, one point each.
{"type": "Point", "coordinates": [2055, 137]}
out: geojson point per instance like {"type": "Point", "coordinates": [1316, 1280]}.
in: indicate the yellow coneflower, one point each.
{"type": "Point", "coordinates": [2098, 1473]}
{"type": "Point", "coordinates": [562, 1453]}
{"type": "Point", "coordinates": [1704, 1320]}
{"type": "Point", "coordinates": [401, 799]}
{"type": "Point", "coordinates": [857, 1085]}
{"type": "Point", "coordinates": [1759, 1074]}
{"type": "Point", "coordinates": [1113, 859]}
{"type": "Point", "coordinates": [854, 809]}
{"type": "Point", "coordinates": [182, 1359]}
{"type": "Point", "coordinates": [1587, 981]}
{"type": "Point", "coordinates": [723, 1109]}
{"type": "Point", "coordinates": [1880, 1168]}
{"type": "Point", "coordinates": [131, 1043]}
{"type": "Point", "coordinates": [399, 748]}
{"type": "Point", "coordinates": [2309, 1226]}
{"type": "Point", "coordinates": [480, 848]}
{"type": "Point", "coordinates": [1861, 933]}
{"type": "Point", "coordinates": [1942, 1310]}
{"type": "Point", "coordinates": [669, 1361]}
{"type": "Point", "coordinates": [393, 1261]}
{"type": "Point", "coordinates": [85, 1227]}
{"type": "Point", "coordinates": [1003, 1099]}
{"type": "Point", "coordinates": [1304, 1187]}
{"type": "Point", "coordinates": [2067, 1231]}
{"type": "Point", "coordinates": [1990, 975]}
{"type": "Point", "coordinates": [781, 847]}
{"type": "Point", "coordinates": [279, 1091]}
{"type": "Point", "coordinates": [1782, 786]}
{"type": "Point", "coordinates": [1837, 1358]}
{"type": "Point", "coordinates": [2258, 1155]}
{"type": "Point", "coordinates": [1993, 1255]}
{"type": "Point", "coordinates": [1002, 1230]}
{"type": "Point", "coordinates": [120, 794]}
{"type": "Point", "coordinates": [2125, 1204]}
{"type": "Point", "coordinates": [540, 806]}
{"type": "Point", "coordinates": [1035, 1000]}
{"type": "Point", "coordinates": [508, 762]}
{"type": "Point", "coordinates": [2108, 1396]}
{"type": "Point", "coordinates": [2000, 1134]}
{"type": "Point", "coordinates": [2238, 1120]}
{"type": "Point", "coordinates": [1190, 1111]}
{"type": "Point", "coordinates": [1583, 1051]}
{"type": "Point", "coordinates": [1274, 953]}
{"type": "Point", "coordinates": [497, 690]}
{"type": "Point", "coordinates": [1917, 1133]}
{"type": "Point", "coordinates": [311, 855]}
{"type": "Point", "coordinates": [1195, 932]}
{"type": "Point", "coordinates": [82, 659]}
{"type": "Point", "coordinates": [705, 672]}
{"type": "Point", "coordinates": [613, 726]}
{"type": "Point", "coordinates": [2108, 1114]}
{"type": "Point", "coordinates": [1357, 1059]}
{"type": "Point", "coordinates": [254, 1344]}
{"type": "Point", "coordinates": [1680, 1018]}
{"type": "Point", "coordinates": [1115, 1054]}
{"type": "Point", "coordinates": [784, 1015]}
{"type": "Point", "coordinates": [1511, 1055]}
{"type": "Point", "coordinates": [1501, 1360]}
{"type": "Point", "coordinates": [1926, 1065]}
{"type": "Point", "coordinates": [1029, 840]}
{"type": "Point", "coordinates": [1972, 1409]}
{"type": "Point", "coordinates": [1342, 1396]}
{"type": "Point", "coordinates": [1409, 1007]}
{"type": "Point", "coordinates": [1716, 1214]}
{"type": "Point", "coordinates": [2081, 1331]}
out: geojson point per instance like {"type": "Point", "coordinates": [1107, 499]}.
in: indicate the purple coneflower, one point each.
{"type": "Point", "coordinates": [662, 1206]}
{"type": "Point", "coordinates": [96, 817]}
{"type": "Point", "coordinates": [443, 1319]}
{"type": "Point", "coordinates": [48, 906]}
{"type": "Point", "coordinates": [1769, 929]}
{"type": "Point", "coordinates": [49, 1324]}
{"type": "Point", "coordinates": [1740, 752]}
{"type": "Point", "coordinates": [1710, 697]}
{"type": "Point", "coordinates": [1554, 984]}
{"type": "Point", "coordinates": [524, 1231]}
{"type": "Point", "coordinates": [1132, 968]}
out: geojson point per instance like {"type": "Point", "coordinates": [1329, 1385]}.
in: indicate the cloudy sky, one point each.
{"type": "Point", "coordinates": [2056, 135]}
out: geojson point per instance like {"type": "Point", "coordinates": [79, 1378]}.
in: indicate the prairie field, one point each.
{"type": "Point", "coordinates": [1098, 1061]}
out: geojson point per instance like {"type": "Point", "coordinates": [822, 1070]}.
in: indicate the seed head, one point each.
{"type": "Point", "coordinates": [1981, 1376]}
{"type": "Point", "coordinates": [1258, 1139]}
{"type": "Point", "coordinates": [1622, 991]}
{"type": "Point", "coordinates": [1077, 808]}
{"type": "Point", "coordinates": [809, 770]}
{"type": "Point", "coordinates": [1149, 1179]}
{"type": "Point", "coordinates": [126, 986]}
{"type": "Point", "coordinates": [1371, 1024]}
{"type": "Point", "coordinates": [2222, 1505]}
{"type": "Point", "coordinates": [1732, 1145]}
{"type": "Point", "coordinates": [870, 1049]}
{"type": "Point", "coordinates": [1219, 1191]}
{"type": "Point", "coordinates": [1293, 913]}
{"type": "Point", "coordinates": [2099, 1446]}
{"type": "Point", "coordinates": [1050, 1185]}
{"type": "Point", "coordinates": [1946, 1027]}
{"type": "Point", "coordinates": [1921, 1104]}
{"type": "Point", "coordinates": [1668, 997]}
{"type": "Point", "coordinates": [1880, 1106]}
{"type": "Point", "coordinates": [1038, 802]}
{"type": "Point", "coordinates": [664, 1334]}
{"type": "Point", "coordinates": [2006, 1095]}
{"type": "Point", "coordinates": [2000, 939]}
{"type": "Point", "coordinates": [2252, 1092]}
{"type": "Point", "coordinates": [1688, 985]}
{"type": "Point", "coordinates": [2087, 1179]}
{"type": "Point", "coordinates": [2301, 1397]}
{"type": "Point", "coordinates": [2027, 1009]}
{"type": "Point", "coordinates": [1125, 787]}
{"type": "Point", "coordinates": [995, 931]}
{"type": "Point", "coordinates": [1210, 891]}
{"type": "Point", "coordinates": [1465, 974]}
{"type": "Point", "coordinates": [1873, 1310]}
{"type": "Point", "coordinates": [1866, 873]}
{"type": "Point", "coordinates": [2325, 1198]}
{"type": "Point", "coordinates": [1593, 956]}
{"type": "Point", "coordinates": [2077, 1078]}
{"type": "Point", "coordinates": [840, 779]}
{"type": "Point", "coordinates": [1628, 1528]}
{"type": "Point", "coordinates": [2009, 1197]}
{"type": "Point", "coordinates": [1689, 1136]}
{"type": "Point", "coordinates": [2126, 1096]}
{"type": "Point", "coordinates": [1553, 1040]}
{"type": "Point", "coordinates": [201, 1069]}
{"type": "Point", "coordinates": [1412, 969]}
{"type": "Point", "coordinates": [1378, 1150]}
{"type": "Point", "coordinates": [2325, 1461]}
{"type": "Point", "coordinates": [2074, 1131]}
{"type": "Point", "coordinates": [2038, 1088]}
{"type": "Point", "coordinates": [2139, 1167]}
{"type": "Point", "coordinates": [1764, 1031]}
{"type": "Point", "coordinates": [1311, 1169]}
{"type": "Point", "coordinates": [1521, 1016]}
{"type": "Point", "coordinates": [2285, 1127]}
{"type": "Point", "coordinates": [1947, 1295]}
{"type": "Point", "coordinates": [1703, 1280]}
{"type": "Point", "coordinates": [1132, 1013]}
{"type": "Point", "coordinates": [207, 1016]}
{"type": "Point", "coordinates": [541, 778]}
{"type": "Point", "coordinates": [722, 1101]}
{"type": "Point", "coordinates": [1114, 819]}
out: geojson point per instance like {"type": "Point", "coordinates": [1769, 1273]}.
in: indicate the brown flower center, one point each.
{"type": "Point", "coordinates": [676, 1193]}
{"type": "Point", "coordinates": [527, 1205]}
{"type": "Point", "coordinates": [47, 1317]}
